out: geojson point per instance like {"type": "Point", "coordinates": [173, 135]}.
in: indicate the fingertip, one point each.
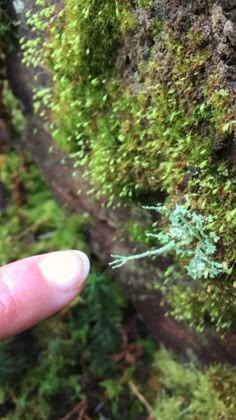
{"type": "Point", "coordinates": [65, 269]}
{"type": "Point", "coordinates": [37, 287]}
{"type": "Point", "coordinates": [85, 264]}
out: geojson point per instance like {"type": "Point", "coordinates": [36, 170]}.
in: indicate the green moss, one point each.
{"type": "Point", "coordinates": [33, 222]}
{"type": "Point", "coordinates": [14, 109]}
{"type": "Point", "coordinates": [137, 232]}
{"type": "Point", "coordinates": [90, 32]}
{"type": "Point", "coordinates": [145, 4]}
{"type": "Point", "coordinates": [188, 393]}
{"type": "Point", "coordinates": [167, 128]}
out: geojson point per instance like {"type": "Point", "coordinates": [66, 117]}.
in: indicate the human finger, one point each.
{"type": "Point", "coordinates": [34, 288]}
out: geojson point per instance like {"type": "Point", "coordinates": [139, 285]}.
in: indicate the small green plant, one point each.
{"type": "Point", "coordinates": [187, 238]}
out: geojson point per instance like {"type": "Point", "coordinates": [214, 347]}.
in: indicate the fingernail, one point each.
{"type": "Point", "coordinates": [65, 269]}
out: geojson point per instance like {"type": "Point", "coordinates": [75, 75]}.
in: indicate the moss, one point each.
{"type": "Point", "coordinates": [32, 221]}
{"type": "Point", "coordinates": [90, 32]}
{"type": "Point", "coordinates": [168, 127]}
{"type": "Point", "coordinates": [145, 4]}
{"type": "Point", "coordinates": [13, 108]}
{"type": "Point", "coordinates": [188, 393]}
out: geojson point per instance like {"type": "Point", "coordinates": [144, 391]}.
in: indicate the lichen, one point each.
{"type": "Point", "coordinates": [188, 239]}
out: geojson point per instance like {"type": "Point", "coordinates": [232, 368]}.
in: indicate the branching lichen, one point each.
{"type": "Point", "coordinates": [188, 239]}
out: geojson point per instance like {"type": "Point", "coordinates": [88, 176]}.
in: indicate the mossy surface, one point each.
{"type": "Point", "coordinates": [189, 393]}
{"type": "Point", "coordinates": [144, 108]}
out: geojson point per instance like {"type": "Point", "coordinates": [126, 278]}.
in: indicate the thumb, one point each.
{"type": "Point", "coordinates": [34, 288]}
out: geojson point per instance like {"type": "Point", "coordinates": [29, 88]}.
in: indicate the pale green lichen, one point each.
{"type": "Point", "coordinates": [188, 239]}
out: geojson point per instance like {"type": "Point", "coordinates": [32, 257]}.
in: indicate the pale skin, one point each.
{"type": "Point", "coordinates": [35, 288]}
